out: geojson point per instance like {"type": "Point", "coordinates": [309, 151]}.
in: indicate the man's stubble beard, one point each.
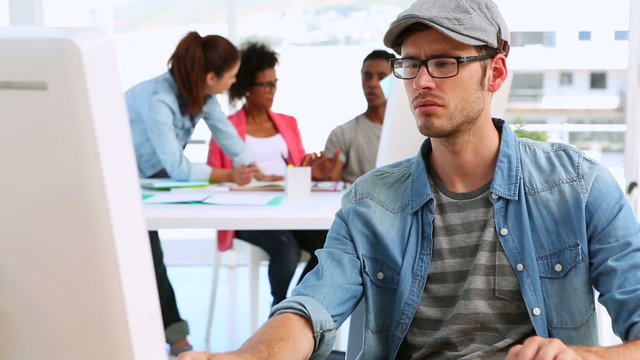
{"type": "Point", "coordinates": [463, 117]}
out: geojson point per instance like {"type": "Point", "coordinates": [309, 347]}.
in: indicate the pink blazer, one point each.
{"type": "Point", "coordinates": [286, 125]}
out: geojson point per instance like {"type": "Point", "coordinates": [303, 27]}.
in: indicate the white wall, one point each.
{"type": "Point", "coordinates": [633, 94]}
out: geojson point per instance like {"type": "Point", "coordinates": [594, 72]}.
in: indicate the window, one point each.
{"type": "Point", "coordinates": [608, 141]}
{"type": "Point", "coordinates": [566, 78]}
{"type": "Point", "coordinates": [621, 35]}
{"type": "Point", "coordinates": [4, 13]}
{"type": "Point", "coordinates": [526, 87]}
{"type": "Point", "coordinates": [549, 39]}
{"type": "Point", "coordinates": [584, 35]}
{"type": "Point", "coordinates": [335, 37]}
{"type": "Point", "coordinates": [598, 80]}
{"type": "Point", "coordinates": [524, 38]}
{"type": "Point", "coordinates": [527, 81]}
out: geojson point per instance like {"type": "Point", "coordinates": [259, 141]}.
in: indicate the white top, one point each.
{"type": "Point", "coordinates": [268, 153]}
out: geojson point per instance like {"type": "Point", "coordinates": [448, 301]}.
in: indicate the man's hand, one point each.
{"type": "Point", "coordinates": [285, 336]}
{"type": "Point", "coordinates": [203, 355]}
{"type": "Point", "coordinates": [327, 168]}
{"type": "Point", "coordinates": [193, 355]}
{"type": "Point", "coordinates": [539, 348]}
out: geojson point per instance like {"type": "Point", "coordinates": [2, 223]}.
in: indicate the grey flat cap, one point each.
{"type": "Point", "coordinates": [471, 22]}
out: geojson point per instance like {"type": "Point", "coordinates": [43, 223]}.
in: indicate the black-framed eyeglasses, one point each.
{"type": "Point", "coordinates": [438, 67]}
{"type": "Point", "coordinates": [267, 84]}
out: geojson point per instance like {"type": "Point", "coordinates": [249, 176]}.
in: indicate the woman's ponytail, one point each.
{"type": "Point", "coordinates": [193, 59]}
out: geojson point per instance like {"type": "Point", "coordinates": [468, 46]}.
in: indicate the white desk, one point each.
{"type": "Point", "coordinates": [315, 211]}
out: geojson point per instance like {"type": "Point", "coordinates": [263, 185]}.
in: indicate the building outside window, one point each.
{"type": "Point", "coordinates": [321, 47]}
{"type": "Point", "coordinates": [526, 87]}
{"type": "Point", "coordinates": [621, 35]}
{"type": "Point", "coordinates": [598, 80]}
{"type": "Point", "coordinates": [4, 13]}
{"type": "Point", "coordinates": [526, 38]}
{"type": "Point", "coordinates": [566, 78]}
{"type": "Point", "coordinates": [584, 35]}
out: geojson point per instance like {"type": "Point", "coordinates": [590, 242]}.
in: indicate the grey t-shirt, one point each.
{"type": "Point", "coordinates": [358, 139]}
{"type": "Point", "coordinates": [472, 307]}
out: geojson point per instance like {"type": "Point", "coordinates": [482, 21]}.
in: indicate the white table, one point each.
{"type": "Point", "coordinates": [315, 211]}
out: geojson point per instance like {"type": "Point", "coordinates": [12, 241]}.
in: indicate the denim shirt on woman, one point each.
{"type": "Point", "coordinates": [161, 131]}
{"type": "Point", "coordinates": [561, 218]}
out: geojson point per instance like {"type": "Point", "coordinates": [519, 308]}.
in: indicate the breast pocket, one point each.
{"type": "Point", "coordinates": [381, 284]}
{"type": "Point", "coordinates": [564, 275]}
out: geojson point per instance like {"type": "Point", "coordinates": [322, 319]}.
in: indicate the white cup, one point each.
{"type": "Point", "coordinates": [298, 181]}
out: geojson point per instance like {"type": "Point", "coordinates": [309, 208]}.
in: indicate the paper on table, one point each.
{"type": "Point", "coordinates": [256, 185]}
{"type": "Point", "coordinates": [176, 198]}
{"type": "Point", "coordinates": [239, 199]}
{"type": "Point", "coordinates": [163, 184]}
{"type": "Point", "coordinates": [209, 189]}
{"type": "Point", "coordinates": [327, 186]}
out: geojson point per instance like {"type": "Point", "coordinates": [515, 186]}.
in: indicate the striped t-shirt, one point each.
{"type": "Point", "coordinates": [471, 307]}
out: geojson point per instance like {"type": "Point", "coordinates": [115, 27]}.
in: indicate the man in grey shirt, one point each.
{"type": "Point", "coordinates": [354, 144]}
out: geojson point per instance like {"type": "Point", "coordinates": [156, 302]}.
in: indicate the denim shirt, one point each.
{"type": "Point", "coordinates": [161, 131]}
{"type": "Point", "coordinates": [562, 219]}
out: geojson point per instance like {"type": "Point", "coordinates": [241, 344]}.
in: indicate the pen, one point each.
{"type": "Point", "coordinates": [307, 158]}
{"type": "Point", "coordinates": [287, 159]}
{"type": "Point", "coordinates": [284, 158]}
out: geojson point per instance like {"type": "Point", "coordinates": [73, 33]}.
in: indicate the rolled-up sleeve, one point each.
{"type": "Point", "coordinates": [324, 329]}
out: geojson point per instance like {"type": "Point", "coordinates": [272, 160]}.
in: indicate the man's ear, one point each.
{"type": "Point", "coordinates": [497, 73]}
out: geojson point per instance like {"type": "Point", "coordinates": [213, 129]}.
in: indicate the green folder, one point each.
{"type": "Point", "coordinates": [166, 184]}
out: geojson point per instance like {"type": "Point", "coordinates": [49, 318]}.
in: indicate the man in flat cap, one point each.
{"type": "Point", "coordinates": [482, 246]}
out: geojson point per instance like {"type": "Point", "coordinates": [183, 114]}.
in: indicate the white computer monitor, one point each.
{"type": "Point", "coordinates": [400, 137]}
{"type": "Point", "coordinates": [76, 274]}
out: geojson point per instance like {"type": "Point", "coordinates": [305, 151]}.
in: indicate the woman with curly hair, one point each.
{"type": "Point", "coordinates": [268, 135]}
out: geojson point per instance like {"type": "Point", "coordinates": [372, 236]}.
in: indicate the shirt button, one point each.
{"type": "Point", "coordinates": [494, 195]}
{"type": "Point", "coordinates": [558, 267]}
{"type": "Point", "coordinates": [504, 231]}
{"type": "Point", "coordinates": [380, 275]}
{"type": "Point", "coordinates": [537, 311]}
{"type": "Point", "coordinates": [519, 267]}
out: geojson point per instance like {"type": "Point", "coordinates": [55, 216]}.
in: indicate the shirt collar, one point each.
{"type": "Point", "coordinates": [506, 177]}
{"type": "Point", "coordinates": [508, 174]}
